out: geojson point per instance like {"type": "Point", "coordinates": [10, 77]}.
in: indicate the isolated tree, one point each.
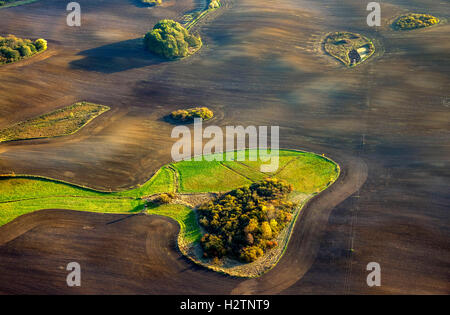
{"type": "Point", "coordinates": [171, 40]}
{"type": "Point", "coordinates": [41, 44]}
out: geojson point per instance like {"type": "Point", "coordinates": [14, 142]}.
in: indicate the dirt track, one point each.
{"type": "Point", "coordinates": [387, 118]}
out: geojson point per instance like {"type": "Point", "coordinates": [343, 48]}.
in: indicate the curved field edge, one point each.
{"type": "Point", "coordinates": [264, 264]}
{"type": "Point", "coordinates": [51, 123]}
{"type": "Point", "coordinates": [17, 3]}
{"type": "Point", "coordinates": [21, 194]}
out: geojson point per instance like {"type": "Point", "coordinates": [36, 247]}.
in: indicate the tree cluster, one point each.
{"type": "Point", "coordinates": [188, 115]}
{"type": "Point", "coordinates": [415, 20]}
{"type": "Point", "coordinates": [214, 4]}
{"type": "Point", "coordinates": [13, 48]}
{"type": "Point", "coordinates": [171, 40]}
{"type": "Point", "coordinates": [244, 223]}
{"type": "Point", "coordinates": [152, 2]}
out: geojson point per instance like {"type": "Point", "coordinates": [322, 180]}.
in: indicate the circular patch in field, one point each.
{"type": "Point", "coordinates": [349, 48]}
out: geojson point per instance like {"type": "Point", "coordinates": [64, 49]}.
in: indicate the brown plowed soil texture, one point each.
{"type": "Point", "coordinates": [385, 122]}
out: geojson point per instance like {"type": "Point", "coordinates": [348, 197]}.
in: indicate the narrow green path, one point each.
{"type": "Point", "coordinates": [17, 3]}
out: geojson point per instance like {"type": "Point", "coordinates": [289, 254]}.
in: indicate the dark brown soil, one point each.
{"type": "Point", "coordinates": [260, 65]}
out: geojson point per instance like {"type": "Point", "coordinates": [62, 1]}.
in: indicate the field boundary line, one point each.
{"type": "Point", "coordinates": [236, 172]}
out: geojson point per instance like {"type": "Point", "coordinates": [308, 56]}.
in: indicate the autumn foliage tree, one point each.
{"type": "Point", "coordinates": [188, 115]}
{"type": "Point", "coordinates": [13, 48]}
{"type": "Point", "coordinates": [152, 2]}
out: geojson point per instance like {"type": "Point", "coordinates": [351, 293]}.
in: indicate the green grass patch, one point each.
{"type": "Point", "coordinates": [14, 188]}
{"type": "Point", "coordinates": [246, 171]}
{"type": "Point", "coordinates": [61, 122]}
{"type": "Point", "coordinates": [14, 3]}
{"type": "Point", "coordinates": [185, 216]}
{"type": "Point", "coordinates": [161, 182]}
{"type": "Point", "coordinates": [207, 176]}
{"type": "Point", "coordinates": [285, 157]}
{"type": "Point", "coordinates": [11, 210]}
{"type": "Point", "coordinates": [309, 173]}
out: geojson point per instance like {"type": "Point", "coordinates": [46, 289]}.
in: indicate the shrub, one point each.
{"type": "Point", "coordinates": [216, 261]}
{"type": "Point", "coordinates": [164, 198]}
{"type": "Point", "coordinates": [213, 245]}
{"type": "Point", "coordinates": [251, 253]}
{"type": "Point", "coordinates": [171, 40]}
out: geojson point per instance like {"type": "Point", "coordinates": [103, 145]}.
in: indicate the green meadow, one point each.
{"type": "Point", "coordinates": [21, 194]}
{"type": "Point", "coordinates": [9, 4]}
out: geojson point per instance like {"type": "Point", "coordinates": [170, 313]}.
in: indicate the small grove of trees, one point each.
{"type": "Point", "coordinates": [244, 223]}
{"type": "Point", "coordinates": [214, 4]}
{"type": "Point", "coordinates": [13, 48]}
{"type": "Point", "coordinates": [171, 40]}
{"type": "Point", "coordinates": [152, 2]}
{"type": "Point", "coordinates": [188, 115]}
{"type": "Point", "coordinates": [415, 20]}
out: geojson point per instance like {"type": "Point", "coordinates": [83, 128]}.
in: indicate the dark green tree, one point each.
{"type": "Point", "coordinates": [171, 40]}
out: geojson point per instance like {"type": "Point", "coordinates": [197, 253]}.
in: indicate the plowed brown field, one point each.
{"type": "Point", "coordinates": [385, 122]}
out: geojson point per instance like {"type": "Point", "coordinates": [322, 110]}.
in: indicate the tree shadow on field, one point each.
{"type": "Point", "coordinates": [116, 57]}
{"type": "Point", "coordinates": [121, 219]}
